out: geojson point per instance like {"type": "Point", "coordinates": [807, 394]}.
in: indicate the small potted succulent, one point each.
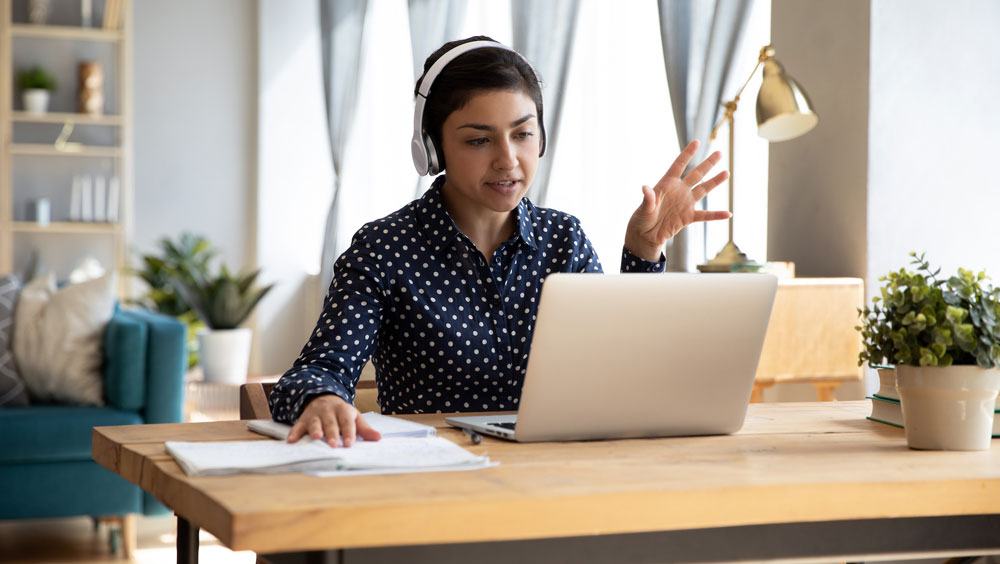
{"type": "Point", "coordinates": [943, 337]}
{"type": "Point", "coordinates": [36, 84]}
{"type": "Point", "coordinates": [223, 303]}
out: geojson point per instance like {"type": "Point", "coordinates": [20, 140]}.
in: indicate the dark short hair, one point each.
{"type": "Point", "coordinates": [473, 72]}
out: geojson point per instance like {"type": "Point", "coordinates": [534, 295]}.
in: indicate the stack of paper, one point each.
{"type": "Point", "coordinates": [388, 426]}
{"type": "Point", "coordinates": [405, 447]}
{"type": "Point", "coordinates": [316, 457]}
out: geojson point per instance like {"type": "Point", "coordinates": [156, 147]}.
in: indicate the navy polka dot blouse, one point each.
{"type": "Point", "coordinates": [449, 331]}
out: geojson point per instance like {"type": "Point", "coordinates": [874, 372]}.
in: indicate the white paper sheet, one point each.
{"type": "Point", "coordinates": [403, 454]}
{"type": "Point", "coordinates": [387, 425]}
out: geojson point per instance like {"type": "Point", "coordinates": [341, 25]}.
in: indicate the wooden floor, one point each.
{"type": "Point", "coordinates": [75, 540]}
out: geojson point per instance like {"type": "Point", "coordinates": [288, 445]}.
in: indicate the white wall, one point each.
{"type": "Point", "coordinates": [934, 135]}
{"type": "Point", "coordinates": [195, 93]}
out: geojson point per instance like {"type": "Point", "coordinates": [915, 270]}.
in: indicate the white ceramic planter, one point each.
{"type": "Point", "coordinates": [947, 408]}
{"type": "Point", "coordinates": [225, 355]}
{"type": "Point", "coordinates": [36, 100]}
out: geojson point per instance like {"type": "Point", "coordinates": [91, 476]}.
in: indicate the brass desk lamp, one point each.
{"type": "Point", "coordinates": [783, 112]}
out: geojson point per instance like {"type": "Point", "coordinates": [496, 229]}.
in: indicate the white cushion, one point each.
{"type": "Point", "coordinates": [59, 338]}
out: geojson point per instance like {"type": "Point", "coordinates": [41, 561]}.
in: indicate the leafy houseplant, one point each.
{"type": "Point", "coordinates": [919, 320]}
{"type": "Point", "coordinates": [943, 336]}
{"type": "Point", "coordinates": [36, 84]}
{"type": "Point", "coordinates": [183, 259]}
{"type": "Point", "coordinates": [223, 302]}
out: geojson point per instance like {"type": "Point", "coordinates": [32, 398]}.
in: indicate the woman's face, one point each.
{"type": "Point", "coordinates": [490, 148]}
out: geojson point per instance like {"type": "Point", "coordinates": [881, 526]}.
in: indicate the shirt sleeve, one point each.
{"type": "Point", "coordinates": [344, 338]}
{"type": "Point", "coordinates": [632, 263]}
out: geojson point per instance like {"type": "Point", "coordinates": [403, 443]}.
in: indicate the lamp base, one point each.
{"type": "Point", "coordinates": [724, 261]}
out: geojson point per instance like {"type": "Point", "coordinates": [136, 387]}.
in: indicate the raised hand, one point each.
{"type": "Point", "coordinates": [669, 206]}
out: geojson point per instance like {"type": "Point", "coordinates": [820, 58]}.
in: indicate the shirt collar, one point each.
{"type": "Point", "coordinates": [440, 228]}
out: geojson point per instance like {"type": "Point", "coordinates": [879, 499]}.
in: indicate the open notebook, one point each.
{"type": "Point", "coordinates": [405, 447]}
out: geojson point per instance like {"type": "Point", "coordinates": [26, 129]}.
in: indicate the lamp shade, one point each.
{"type": "Point", "coordinates": [783, 109]}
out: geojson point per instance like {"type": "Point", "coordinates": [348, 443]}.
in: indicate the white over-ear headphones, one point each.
{"type": "Point", "coordinates": [425, 154]}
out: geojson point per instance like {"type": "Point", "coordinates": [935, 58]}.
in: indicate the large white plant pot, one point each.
{"type": "Point", "coordinates": [36, 100]}
{"type": "Point", "coordinates": [947, 408]}
{"type": "Point", "coordinates": [225, 354]}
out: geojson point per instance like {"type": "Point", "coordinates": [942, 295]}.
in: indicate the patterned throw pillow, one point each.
{"type": "Point", "coordinates": [12, 390]}
{"type": "Point", "coordinates": [59, 338]}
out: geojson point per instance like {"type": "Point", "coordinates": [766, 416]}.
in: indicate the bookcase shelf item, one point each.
{"type": "Point", "coordinates": [63, 117]}
{"type": "Point", "coordinates": [52, 151]}
{"type": "Point", "coordinates": [65, 32]}
{"type": "Point", "coordinates": [68, 227]}
{"type": "Point", "coordinates": [30, 161]}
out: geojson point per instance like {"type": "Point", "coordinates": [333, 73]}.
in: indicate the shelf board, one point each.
{"type": "Point", "coordinates": [63, 117]}
{"type": "Point", "coordinates": [71, 227]}
{"type": "Point", "coordinates": [51, 151]}
{"type": "Point", "coordinates": [65, 32]}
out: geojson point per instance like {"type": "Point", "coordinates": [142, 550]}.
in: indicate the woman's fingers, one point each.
{"type": "Point", "coordinates": [707, 186]}
{"type": "Point", "coordinates": [648, 204]}
{"type": "Point", "coordinates": [703, 215]}
{"type": "Point", "coordinates": [366, 431]}
{"type": "Point", "coordinates": [699, 172]}
{"type": "Point", "coordinates": [345, 418]}
{"type": "Point", "coordinates": [297, 431]}
{"type": "Point", "coordinates": [681, 162]}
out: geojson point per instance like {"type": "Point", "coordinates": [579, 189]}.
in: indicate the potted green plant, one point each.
{"type": "Point", "coordinates": [184, 259]}
{"type": "Point", "coordinates": [876, 344]}
{"type": "Point", "coordinates": [223, 302]}
{"type": "Point", "coordinates": [36, 84]}
{"type": "Point", "coordinates": [943, 336]}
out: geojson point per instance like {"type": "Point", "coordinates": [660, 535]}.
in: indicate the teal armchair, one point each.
{"type": "Point", "coordinates": [46, 469]}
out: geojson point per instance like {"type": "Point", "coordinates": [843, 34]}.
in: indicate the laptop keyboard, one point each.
{"type": "Point", "coordinates": [508, 426]}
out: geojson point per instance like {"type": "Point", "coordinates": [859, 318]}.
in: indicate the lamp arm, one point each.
{"type": "Point", "coordinates": [766, 52]}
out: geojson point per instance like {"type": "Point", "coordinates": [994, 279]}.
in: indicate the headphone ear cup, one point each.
{"type": "Point", "coordinates": [435, 163]}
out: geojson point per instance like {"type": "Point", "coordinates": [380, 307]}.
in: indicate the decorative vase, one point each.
{"type": "Point", "coordinates": [225, 354]}
{"type": "Point", "coordinates": [38, 11]}
{"type": "Point", "coordinates": [947, 408]}
{"type": "Point", "coordinates": [91, 88]}
{"type": "Point", "coordinates": [36, 100]}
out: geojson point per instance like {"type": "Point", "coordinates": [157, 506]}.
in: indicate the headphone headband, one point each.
{"type": "Point", "coordinates": [425, 155]}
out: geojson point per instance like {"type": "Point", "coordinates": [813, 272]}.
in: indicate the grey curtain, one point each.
{"type": "Point", "coordinates": [543, 33]}
{"type": "Point", "coordinates": [432, 24]}
{"type": "Point", "coordinates": [699, 42]}
{"type": "Point", "coordinates": [341, 34]}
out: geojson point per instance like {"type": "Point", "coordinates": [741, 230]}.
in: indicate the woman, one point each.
{"type": "Point", "coordinates": [442, 294]}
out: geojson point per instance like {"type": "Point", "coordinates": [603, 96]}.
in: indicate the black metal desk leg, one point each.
{"type": "Point", "coordinates": [187, 542]}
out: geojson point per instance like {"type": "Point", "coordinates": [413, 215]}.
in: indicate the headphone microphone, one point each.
{"type": "Point", "coordinates": [426, 157]}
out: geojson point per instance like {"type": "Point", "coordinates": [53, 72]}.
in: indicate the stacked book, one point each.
{"type": "Point", "coordinates": [887, 409]}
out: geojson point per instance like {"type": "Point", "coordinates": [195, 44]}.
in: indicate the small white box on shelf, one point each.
{"type": "Point", "coordinates": [114, 194]}
{"type": "Point", "coordinates": [100, 199]}
{"type": "Point", "coordinates": [86, 198]}
{"type": "Point", "coordinates": [75, 197]}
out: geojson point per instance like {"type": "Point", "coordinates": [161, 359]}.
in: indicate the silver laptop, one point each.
{"type": "Point", "coordinates": [638, 355]}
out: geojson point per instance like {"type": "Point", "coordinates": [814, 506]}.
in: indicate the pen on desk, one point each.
{"type": "Point", "coordinates": [475, 437]}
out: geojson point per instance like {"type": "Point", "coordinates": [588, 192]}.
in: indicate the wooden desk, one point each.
{"type": "Point", "coordinates": [811, 337]}
{"type": "Point", "coordinates": [799, 481]}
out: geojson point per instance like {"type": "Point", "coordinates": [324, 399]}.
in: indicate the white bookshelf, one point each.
{"type": "Point", "coordinates": [19, 233]}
